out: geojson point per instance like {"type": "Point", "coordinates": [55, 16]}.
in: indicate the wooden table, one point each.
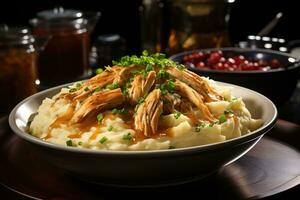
{"type": "Point", "coordinates": [271, 169]}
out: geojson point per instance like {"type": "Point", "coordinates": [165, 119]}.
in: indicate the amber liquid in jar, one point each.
{"type": "Point", "coordinates": [198, 24]}
{"type": "Point", "coordinates": [65, 57]}
{"type": "Point", "coordinates": [17, 76]}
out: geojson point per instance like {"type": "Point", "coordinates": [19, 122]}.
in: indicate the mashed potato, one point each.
{"type": "Point", "coordinates": [116, 134]}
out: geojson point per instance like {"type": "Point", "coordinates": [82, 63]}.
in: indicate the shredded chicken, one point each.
{"type": "Point", "coordinates": [98, 102]}
{"type": "Point", "coordinates": [196, 82]}
{"type": "Point", "coordinates": [148, 113]}
{"type": "Point", "coordinates": [192, 95]}
{"type": "Point", "coordinates": [141, 86]}
{"type": "Point", "coordinates": [152, 94]}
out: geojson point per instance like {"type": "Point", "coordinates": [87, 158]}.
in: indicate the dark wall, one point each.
{"type": "Point", "coordinates": [122, 16]}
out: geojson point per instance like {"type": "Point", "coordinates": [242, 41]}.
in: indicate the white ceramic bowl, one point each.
{"type": "Point", "coordinates": [145, 168]}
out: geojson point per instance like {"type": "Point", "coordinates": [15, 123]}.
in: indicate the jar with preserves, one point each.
{"type": "Point", "coordinates": [65, 57]}
{"type": "Point", "coordinates": [18, 59]}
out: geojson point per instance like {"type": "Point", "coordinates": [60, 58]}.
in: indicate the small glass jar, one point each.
{"type": "Point", "coordinates": [65, 57]}
{"type": "Point", "coordinates": [18, 56]}
{"type": "Point", "coordinates": [198, 24]}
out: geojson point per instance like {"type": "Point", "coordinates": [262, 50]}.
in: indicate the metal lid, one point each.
{"type": "Point", "coordinates": [59, 13]}
{"type": "Point", "coordinates": [15, 35]}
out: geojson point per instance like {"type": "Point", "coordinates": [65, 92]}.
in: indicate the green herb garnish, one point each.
{"type": "Point", "coordinates": [78, 84]}
{"type": "Point", "coordinates": [86, 89]}
{"type": "Point", "coordinates": [79, 143]}
{"type": "Point", "coordinates": [98, 89]}
{"type": "Point", "coordinates": [199, 127]}
{"type": "Point", "coordinates": [116, 111]}
{"type": "Point", "coordinates": [228, 111]}
{"type": "Point", "coordinates": [157, 59]}
{"type": "Point", "coordinates": [110, 128]}
{"type": "Point", "coordinates": [100, 117]}
{"type": "Point", "coordinates": [99, 71]}
{"type": "Point", "coordinates": [73, 90]}
{"type": "Point", "coordinates": [103, 140]}
{"type": "Point", "coordinates": [112, 86]}
{"type": "Point", "coordinates": [69, 143]}
{"type": "Point", "coordinates": [127, 136]}
{"type": "Point", "coordinates": [222, 119]}
{"type": "Point", "coordinates": [177, 114]}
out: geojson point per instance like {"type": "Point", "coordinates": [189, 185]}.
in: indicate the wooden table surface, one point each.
{"type": "Point", "coordinates": [268, 170]}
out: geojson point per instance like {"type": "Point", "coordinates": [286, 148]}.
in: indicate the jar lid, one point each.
{"type": "Point", "coordinates": [15, 35]}
{"type": "Point", "coordinates": [109, 39]}
{"type": "Point", "coordinates": [59, 13]}
{"type": "Point", "coordinates": [60, 18]}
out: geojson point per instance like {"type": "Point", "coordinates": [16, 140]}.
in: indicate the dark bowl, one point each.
{"type": "Point", "coordinates": [145, 168]}
{"type": "Point", "coordinates": [277, 84]}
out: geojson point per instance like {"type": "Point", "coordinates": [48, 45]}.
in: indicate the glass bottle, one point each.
{"type": "Point", "coordinates": [18, 56]}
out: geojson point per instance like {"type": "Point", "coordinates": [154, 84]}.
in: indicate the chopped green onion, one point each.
{"type": "Point", "coordinates": [69, 143]}
{"type": "Point", "coordinates": [110, 128]}
{"type": "Point", "coordinates": [86, 89]}
{"type": "Point", "coordinates": [127, 137]}
{"type": "Point", "coordinates": [72, 90]}
{"type": "Point", "coordinates": [121, 111]}
{"type": "Point", "coordinates": [98, 89]}
{"type": "Point", "coordinates": [112, 86]}
{"type": "Point", "coordinates": [177, 114]}
{"type": "Point", "coordinates": [227, 112]}
{"type": "Point", "coordinates": [78, 84]}
{"type": "Point", "coordinates": [145, 53]}
{"type": "Point", "coordinates": [199, 127]}
{"type": "Point", "coordinates": [222, 119]}
{"type": "Point", "coordinates": [99, 71]}
{"type": "Point", "coordinates": [80, 143]}
{"type": "Point", "coordinates": [100, 117]}
{"type": "Point", "coordinates": [103, 140]}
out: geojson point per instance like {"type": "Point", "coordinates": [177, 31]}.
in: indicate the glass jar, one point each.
{"type": "Point", "coordinates": [65, 57]}
{"type": "Point", "coordinates": [198, 24]}
{"type": "Point", "coordinates": [18, 56]}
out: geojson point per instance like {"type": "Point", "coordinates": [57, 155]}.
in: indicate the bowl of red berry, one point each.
{"type": "Point", "coordinates": [272, 73]}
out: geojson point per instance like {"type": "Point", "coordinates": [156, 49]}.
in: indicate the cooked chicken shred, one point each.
{"type": "Point", "coordinates": [148, 92]}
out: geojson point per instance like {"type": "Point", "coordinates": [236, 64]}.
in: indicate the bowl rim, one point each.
{"type": "Point", "coordinates": [293, 66]}
{"type": "Point", "coordinates": [142, 153]}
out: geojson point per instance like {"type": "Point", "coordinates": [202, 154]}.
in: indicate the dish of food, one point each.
{"type": "Point", "coordinates": [218, 60]}
{"type": "Point", "coordinates": [142, 103]}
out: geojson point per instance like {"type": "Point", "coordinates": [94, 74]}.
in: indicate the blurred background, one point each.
{"type": "Point", "coordinates": [247, 17]}
{"type": "Point", "coordinates": [128, 27]}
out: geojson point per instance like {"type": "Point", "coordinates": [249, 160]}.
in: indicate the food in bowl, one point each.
{"type": "Point", "coordinates": [218, 60]}
{"type": "Point", "coordinates": [142, 103]}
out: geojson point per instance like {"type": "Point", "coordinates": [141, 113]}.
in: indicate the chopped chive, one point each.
{"type": "Point", "coordinates": [119, 111]}
{"type": "Point", "coordinates": [222, 119]}
{"type": "Point", "coordinates": [80, 143]}
{"type": "Point", "coordinates": [98, 89]}
{"type": "Point", "coordinates": [112, 86]}
{"type": "Point", "coordinates": [78, 84]}
{"type": "Point", "coordinates": [69, 143]}
{"type": "Point", "coordinates": [110, 128]}
{"type": "Point", "coordinates": [199, 127]}
{"type": "Point", "coordinates": [72, 90]}
{"type": "Point", "coordinates": [100, 117]}
{"type": "Point", "coordinates": [127, 137]}
{"type": "Point", "coordinates": [99, 71]}
{"type": "Point", "coordinates": [228, 111]}
{"type": "Point", "coordinates": [86, 89]}
{"type": "Point", "coordinates": [103, 140]}
{"type": "Point", "coordinates": [177, 114]}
